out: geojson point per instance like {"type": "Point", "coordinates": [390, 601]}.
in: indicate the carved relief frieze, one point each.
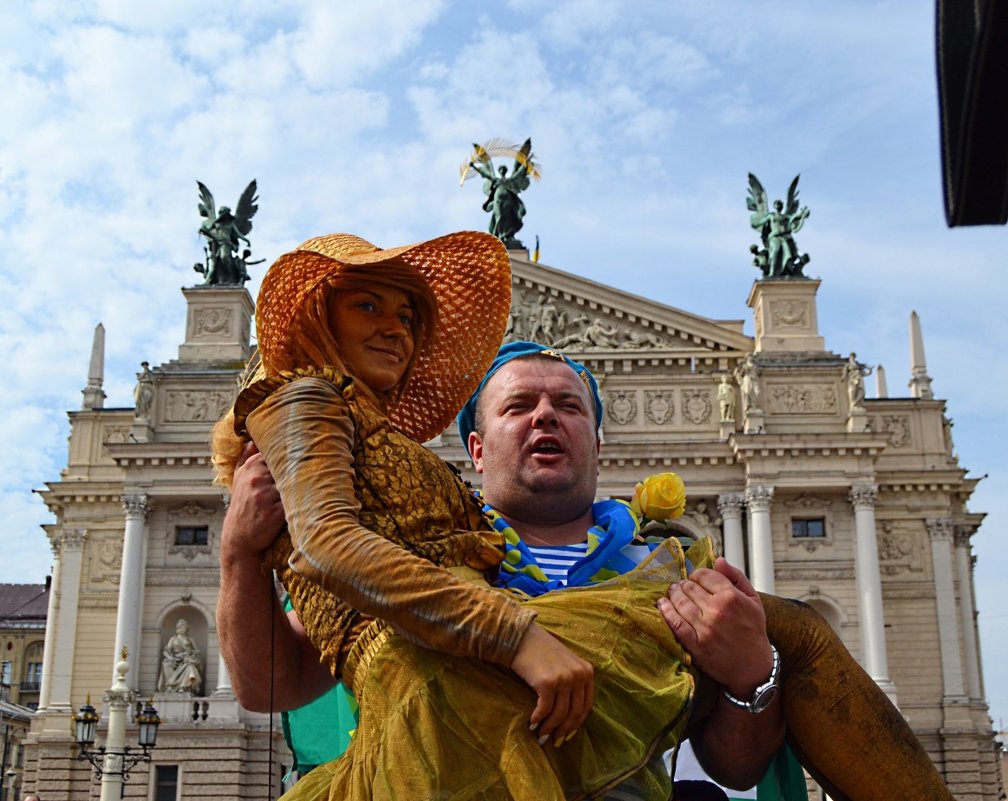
{"type": "Point", "coordinates": [543, 318]}
{"type": "Point", "coordinates": [189, 552]}
{"type": "Point", "coordinates": [789, 313]}
{"type": "Point", "coordinates": [897, 426]}
{"type": "Point", "coordinates": [115, 435]}
{"type": "Point", "coordinates": [621, 406]}
{"type": "Point", "coordinates": [696, 406]}
{"type": "Point", "coordinates": [898, 548]}
{"type": "Point", "coordinates": [212, 322]}
{"type": "Point", "coordinates": [659, 406]}
{"type": "Point", "coordinates": [196, 406]}
{"type": "Point", "coordinates": [106, 562]}
{"type": "Point", "coordinates": [191, 510]}
{"type": "Point", "coordinates": [802, 399]}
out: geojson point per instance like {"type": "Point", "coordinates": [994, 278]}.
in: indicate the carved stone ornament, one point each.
{"type": "Point", "coordinates": [789, 313]}
{"type": "Point", "coordinates": [759, 498]}
{"type": "Point", "coordinates": [190, 552]}
{"type": "Point", "coordinates": [897, 549]}
{"type": "Point", "coordinates": [212, 323]}
{"type": "Point", "coordinates": [731, 505]}
{"type": "Point", "coordinates": [803, 399]}
{"type": "Point", "coordinates": [659, 406]}
{"type": "Point", "coordinates": [191, 510]}
{"type": "Point", "coordinates": [196, 406]}
{"type": "Point", "coordinates": [136, 506]}
{"type": "Point", "coordinates": [940, 528]}
{"type": "Point", "coordinates": [862, 496]}
{"type": "Point", "coordinates": [115, 435]}
{"type": "Point", "coordinates": [543, 318]}
{"type": "Point", "coordinates": [897, 426]}
{"type": "Point", "coordinates": [72, 538]}
{"type": "Point", "coordinates": [696, 406]}
{"type": "Point", "coordinates": [621, 407]}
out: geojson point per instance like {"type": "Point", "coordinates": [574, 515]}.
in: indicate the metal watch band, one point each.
{"type": "Point", "coordinates": [764, 693]}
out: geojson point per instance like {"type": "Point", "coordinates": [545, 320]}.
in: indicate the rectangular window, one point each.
{"type": "Point", "coordinates": [809, 527]}
{"type": "Point", "coordinates": [33, 677]}
{"type": "Point", "coordinates": [5, 673]}
{"type": "Point", "coordinates": [165, 782]}
{"type": "Point", "coordinates": [190, 535]}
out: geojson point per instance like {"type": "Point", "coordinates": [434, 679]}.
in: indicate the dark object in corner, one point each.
{"type": "Point", "coordinates": [972, 45]}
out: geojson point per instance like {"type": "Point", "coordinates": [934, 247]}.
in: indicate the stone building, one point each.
{"type": "Point", "coordinates": [857, 506]}
{"type": "Point", "coordinates": [22, 635]}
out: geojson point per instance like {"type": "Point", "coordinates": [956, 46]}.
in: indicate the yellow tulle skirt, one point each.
{"type": "Point", "coordinates": [433, 726]}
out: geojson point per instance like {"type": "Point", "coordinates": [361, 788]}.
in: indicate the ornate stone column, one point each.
{"type": "Point", "coordinates": [953, 687]}
{"type": "Point", "coordinates": [869, 587]}
{"type": "Point", "coordinates": [48, 650]}
{"type": "Point", "coordinates": [967, 610]}
{"type": "Point", "coordinates": [730, 506]}
{"type": "Point", "coordinates": [761, 561]}
{"type": "Point", "coordinates": [70, 543]}
{"type": "Point", "coordinates": [137, 508]}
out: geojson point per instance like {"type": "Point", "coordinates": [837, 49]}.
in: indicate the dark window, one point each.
{"type": "Point", "coordinates": [190, 535]}
{"type": "Point", "coordinates": [165, 782]}
{"type": "Point", "coordinates": [810, 527]}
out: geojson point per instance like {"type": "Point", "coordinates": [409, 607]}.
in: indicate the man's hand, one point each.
{"type": "Point", "coordinates": [564, 682]}
{"type": "Point", "coordinates": [255, 515]}
{"type": "Point", "coordinates": [718, 617]}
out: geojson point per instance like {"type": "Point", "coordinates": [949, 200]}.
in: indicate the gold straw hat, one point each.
{"type": "Point", "coordinates": [470, 275]}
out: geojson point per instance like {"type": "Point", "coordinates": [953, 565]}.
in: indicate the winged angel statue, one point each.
{"type": "Point", "coordinates": [505, 206]}
{"type": "Point", "coordinates": [779, 257]}
{"type": "Point", "coordinates": [225, 231]}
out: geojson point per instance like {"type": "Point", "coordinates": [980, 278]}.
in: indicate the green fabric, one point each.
{"type": "Point", "coordinates": [784, 779]}
{"type": "Point", "coordinates": [320, 731]}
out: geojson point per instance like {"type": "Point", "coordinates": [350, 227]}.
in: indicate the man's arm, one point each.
{"type": "Point", "coordinates": [247, 602]}
{"type": "Point", "coordinates": [718, 617]}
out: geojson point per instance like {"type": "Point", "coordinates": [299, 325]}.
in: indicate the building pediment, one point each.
{"type": "Point", "coordinates": [593, 321]}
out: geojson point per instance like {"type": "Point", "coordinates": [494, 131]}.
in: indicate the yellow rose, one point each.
{"type": "Point", "coordinates": [661, 496]}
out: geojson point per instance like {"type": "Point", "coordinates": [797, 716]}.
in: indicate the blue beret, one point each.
{"type": "Point", "coordinates": [513, 350]}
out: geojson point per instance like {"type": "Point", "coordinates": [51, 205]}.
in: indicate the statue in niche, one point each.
{"type": "Point", "coordinates": [143, 393]}
{"type": "Point", "coordinates": [181, 669]}
{"type": "Point", "coordinates": [502, 190]}
{"type": "Point", "coordinates": [854, 374]}
{"type": "Point", "coordinates": [726, 400]}
{"type": "Point", "coordinates": [779, 257]}
{"type": "Point", "coordinates": [225, 231]}
{"type": "Point", "coordinates": [747, 376]}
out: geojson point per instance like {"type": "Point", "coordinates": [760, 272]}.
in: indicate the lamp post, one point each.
{"type": "Point", "coordinates": [113, 761]}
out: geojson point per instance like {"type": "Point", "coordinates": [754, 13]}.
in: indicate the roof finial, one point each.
{"type": "Point", "coordinates": [94, 396]}
{"type": "Point", "coordinates": [881, 388]}
{"type": "Point", "coordinates": [920, 381]}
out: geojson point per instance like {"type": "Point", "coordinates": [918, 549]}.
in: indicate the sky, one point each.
{"type": "Point", "coordinates": [646, 116]}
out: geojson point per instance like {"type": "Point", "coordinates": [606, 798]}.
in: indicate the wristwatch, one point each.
{"type": "Point", "coordinates": [764, 694]}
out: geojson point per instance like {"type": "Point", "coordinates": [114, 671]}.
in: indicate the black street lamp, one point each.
{"type": "Point", "coordinates": [85, 722]}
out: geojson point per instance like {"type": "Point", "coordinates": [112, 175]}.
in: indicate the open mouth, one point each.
{"type": "Point", "coordinates": [547, 446]}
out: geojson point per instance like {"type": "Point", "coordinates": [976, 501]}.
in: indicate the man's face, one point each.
{"type": "Point", "coordinates": [538, 452]}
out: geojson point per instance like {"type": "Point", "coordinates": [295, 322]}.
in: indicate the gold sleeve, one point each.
{"type": "Point", "coordinates": [306, 434]}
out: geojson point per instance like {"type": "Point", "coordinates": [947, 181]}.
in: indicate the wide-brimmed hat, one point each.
{"type": "Point", "coordinates": [470, 275]}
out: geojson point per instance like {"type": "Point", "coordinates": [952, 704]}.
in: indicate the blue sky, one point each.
{"type": "Point", "coordinates": [646, 117]}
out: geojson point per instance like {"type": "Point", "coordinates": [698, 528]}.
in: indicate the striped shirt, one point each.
{"type": "Point", "coordinates": [557, 560]}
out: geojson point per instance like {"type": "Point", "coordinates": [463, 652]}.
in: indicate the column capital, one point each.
{"type": "Point", "coordinates": [940, 528]}
{"type": "Point", "coordinates": [69, 538]}
{"type": "Point", "coordinates": [731, 504]}
{"type": "Point", "coordinates": [136, 505]}
{"type": "Point", "coordinates": [964, 533]}
{"type": "Point", "coordinates": [759, 497]}
{"type": "Point", "coordinates": [862, 496]}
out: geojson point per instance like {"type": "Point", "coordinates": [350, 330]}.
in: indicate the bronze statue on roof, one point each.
{"type": "Point", "coordinates": [225, 231]}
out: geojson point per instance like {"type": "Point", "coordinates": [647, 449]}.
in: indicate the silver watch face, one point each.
{"type": "Point", "coordinates": [763, 698]}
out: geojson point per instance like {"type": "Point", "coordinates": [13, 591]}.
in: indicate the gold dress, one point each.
{"type": "Point", "coordinates": [387, 565]}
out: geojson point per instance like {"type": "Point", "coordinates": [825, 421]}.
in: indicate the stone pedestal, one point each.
{"type": "Point", "coordinates": [785, 313]}
{"type": "Point", "coordinates": [217, 325]}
